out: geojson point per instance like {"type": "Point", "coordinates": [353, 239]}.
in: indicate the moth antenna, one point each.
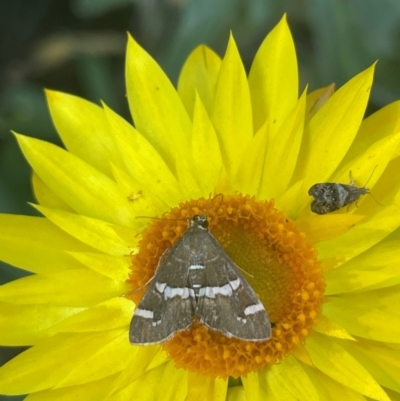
{"type": "Point", "coordinates": [244, 271]}
{"type": "Point", "coordinates": [212, 200]}
{"type": "Point", "coordinates": [370, 178]}
{"type": "Point", "coordinates": [369, 193]}
{"type": "Point", "coordinates": [157, 218]}
{"type": "Point", "coordinates": [139, 288]}
{"type": "Point", "coordinates": [380, 204]}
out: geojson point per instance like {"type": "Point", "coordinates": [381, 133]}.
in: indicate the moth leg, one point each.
{"type": "Point", "coordinates": [160, 262]}
{"type": "Point", "coordinates": [162, 258]}
{"type": "Point", "coordinates": [348, 206]}
{"type": "Point", "coordinates": [352, 182]}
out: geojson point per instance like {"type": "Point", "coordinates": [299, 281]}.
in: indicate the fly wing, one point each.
{"type": "Point", "coordinates": [227, 303]}
{"type": "Point", "coordinates": [167, 306]}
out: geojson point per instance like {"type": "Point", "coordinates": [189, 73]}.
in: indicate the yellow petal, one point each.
{"type": "Point", "coordinates": [331, 328]}
{"type": "Point", "coordinates": [375, 127]}
{"type": "Point", "coordinates": [301, 388]}
{"type": "Point", "coordinates": [273, 78]}
{"type": "Point", "coordinates": [16, 234]}
{"type": "Point", "coordinates": [339, 118]}
{"type": "Point", "coordinates": [26, 324]}
{"type": "Point", "coordinates": [302, 355]}
{"type": "Point", "coordinates": [368, 165]}
{"type": "Point", "coordinates": [328, 226]}
{"type": "Point", "coordinates": [100, 235]}
{"type": "Point", "coordinates": [282, 153]}
{"type": "Point", "coordinates": [249, 173]}
{"type": "Point", "coordinates": [381, 360]}
{"type": "Point", "coordinates": [107, 360]}
{"type": "Point", "coordinates": [141, 200]}
{"type": "Point", "coordinates": [332, 359]}
{"type": "Point", "coordinates": [30, 371]}
{"type": "Point", "coordinates": [272, 386]}
{"type": "Point", "coordinates": [156, 108]}
{"type": "Point", "coordinates": [199, 74]}
{"type": "Point", "coordinates": [372, 230]}
{"type": "Point", "coordinates": [187, 179]}
{"type": "Point", "coordinates": [110, 314]}
{"type": "Point", "coordinates": [206, 388]}
{"type": "Point", "coordinates": [77, 287]}
{"type": "Point", "coordinates": [83, 129]}
{"type": "Point", "coordinates": [136, 151]}
{"type": "Point", "coordinates": [329, 389]}
{"type": "Point", "coordinates": [236, 394]}
{"type": "Point", "coordinates": [394, 395]}
{"type": "Point", "coordinates": [206, 154]}
{"type": "Point", "coordinates": [141, 360]}
{"type": "Point", "coordinates": [316, 99]}
{"type": "Point", "coordinates": [164, 383]}
{"type": "Point", "coordinates": [367, 269]}
{"type": "Point", "coordinates": [231, 112]}
{"type": "Point", "coordinates": [289, 198]}
{"type": "Point", "coordinates": [386, 188]}
{"type": "Point", "coordinates": [252, 386]}
{"type": "Point", "coordinates": [45, 196]}
{"type": "Point", "coordinates": [114, 267]}
{"type": "Point", "coordinates": [84, 392]}
{"type": "Point", "coordinates": [365, 320]}
{"type": "Point", "coordinates": [81, 186]}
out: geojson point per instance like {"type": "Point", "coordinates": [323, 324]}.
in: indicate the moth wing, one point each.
{"type": "Point", "coordinates": [315, 190]}
{"type": "Point", "coordinates": [320, 207]}
{"type": "Point", "coordinates": [228, 304]}
{"type": "Point", "coordinates": [325, 198]}
{"type": "Point", "coordinates": [165, 310]}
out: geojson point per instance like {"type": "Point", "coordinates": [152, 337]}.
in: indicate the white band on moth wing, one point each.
{"type": "Point", "coordinates": [148, 314]}
{"type": "Point", "coordinates": [250, 310]}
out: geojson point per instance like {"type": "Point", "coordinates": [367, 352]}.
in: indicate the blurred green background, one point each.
{"type": "Point", "coordinates": [78, 46]}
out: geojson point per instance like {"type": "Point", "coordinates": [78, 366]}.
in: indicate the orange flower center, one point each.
{"type": "Point", "coordinates": [276, 260]}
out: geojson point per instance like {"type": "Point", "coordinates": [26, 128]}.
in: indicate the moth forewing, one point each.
{"type": "Point", "coordinates": [165, 309]}
{"type": "Point", "coordinates": [198, 279]}
{"type": "Point", "coordinates": [227, 303]}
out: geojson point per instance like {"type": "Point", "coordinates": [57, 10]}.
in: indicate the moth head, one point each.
{"type": "Point", "coordinates": [199, 221]}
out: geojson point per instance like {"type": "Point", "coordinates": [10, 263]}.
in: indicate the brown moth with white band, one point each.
{"type": "Point", "coordinates": [197, 279]}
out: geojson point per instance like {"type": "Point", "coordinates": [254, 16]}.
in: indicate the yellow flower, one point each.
{"type": "Point", "coordinates": [331, 283]}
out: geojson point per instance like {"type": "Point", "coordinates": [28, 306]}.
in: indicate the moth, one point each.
{"type": "Point", "coordinates": [197, 279]}
{"type": "Point", "coordinates": [331, 196]}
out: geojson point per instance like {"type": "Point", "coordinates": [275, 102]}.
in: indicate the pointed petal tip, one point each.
{"type": "Point", "coordinates": [54, 95]}
{"type": "Point", "coordinates": [49, 92]}
{"type": "Point", "coordinates": [371, 68]}
{"type": "Point", "coordinates": [19, 137]}
{"type": "Point", "coordinates": [132, 42]}
{"type": "Point", "coordinates": [283, 22]}
{"type": "Point", "coordinates": [105, 106]}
